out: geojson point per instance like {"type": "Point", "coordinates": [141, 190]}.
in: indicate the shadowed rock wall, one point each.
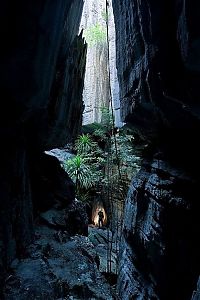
{"type": "Point", "coordinates": [159, 75]}
{"type": "Point", "coordinates": [38, 111]}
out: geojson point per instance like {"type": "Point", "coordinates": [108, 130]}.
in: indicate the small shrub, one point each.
{"type": "Point", "coordinates": [95, 34]}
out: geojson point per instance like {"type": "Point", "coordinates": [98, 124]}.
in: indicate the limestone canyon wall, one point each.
{"type": "Point", "coordinates": [96, 87]}
{"type": "Point", "coordinates": [159, 78]}
{"type": "Point", "coordinates": [41, 80]}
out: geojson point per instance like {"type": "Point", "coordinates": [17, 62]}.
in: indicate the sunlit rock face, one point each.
{"type": "Point", "coordinates": [96, 88]}
{"type": "Point", "coordinates": [159, 77]}
{"type": "Point", "coordinates": [113, 71]}
{"type": "Point", "coordinates": [42, 70]}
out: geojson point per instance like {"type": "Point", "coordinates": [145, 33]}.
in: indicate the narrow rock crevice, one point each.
{"type": "Point", "coordinates": [44, 249]}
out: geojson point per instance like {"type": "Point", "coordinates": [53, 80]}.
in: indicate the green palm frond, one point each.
{"type": "Point", "coordinates": [80, 172]}
{"type": "Point", "coordinates": [84, 144]}
{"type": "Point", "coordinates": [100, 134]}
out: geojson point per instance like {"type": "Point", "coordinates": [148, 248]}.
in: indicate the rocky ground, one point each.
{"type": "Point", "coordinates": [100, 238]}
{"type": "Point", "coordinates": [196, 294]}
{"type": "Point", "coordinates": [60, 266]}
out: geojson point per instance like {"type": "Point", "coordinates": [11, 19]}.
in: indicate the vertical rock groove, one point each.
{"type": "Point", "coordinates": [159, 98]}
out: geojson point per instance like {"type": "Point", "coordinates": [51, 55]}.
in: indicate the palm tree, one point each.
{"type": "Point", "coordinates": [80, 172]}
{"type": "Point", "coordinates": [86, 168]}
{"type": "Point", "coordinates": [84, 144]}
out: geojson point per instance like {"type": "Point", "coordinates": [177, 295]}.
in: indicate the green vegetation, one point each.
{"type": "Point", "coordinates": [86, 168]}
{"type": "Point", "coordinates": [91, 128]}
{"type": "Point", "coordinates": [104, 15]}
{"type": "Point", "coordinates": [106, 117]}
{"type": "Point", "coordinates": [84, 144]}
{"type": "Point", "coordinates": [128, 161]}
{"type": "Point", "coordinates": [99, 134]}
{"type": "Point", "coordinates": [95, 169]}
{"type": "Point", "coordinates": [95, 35]}
{"type": "Point", "coordinates": [79, 172]}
